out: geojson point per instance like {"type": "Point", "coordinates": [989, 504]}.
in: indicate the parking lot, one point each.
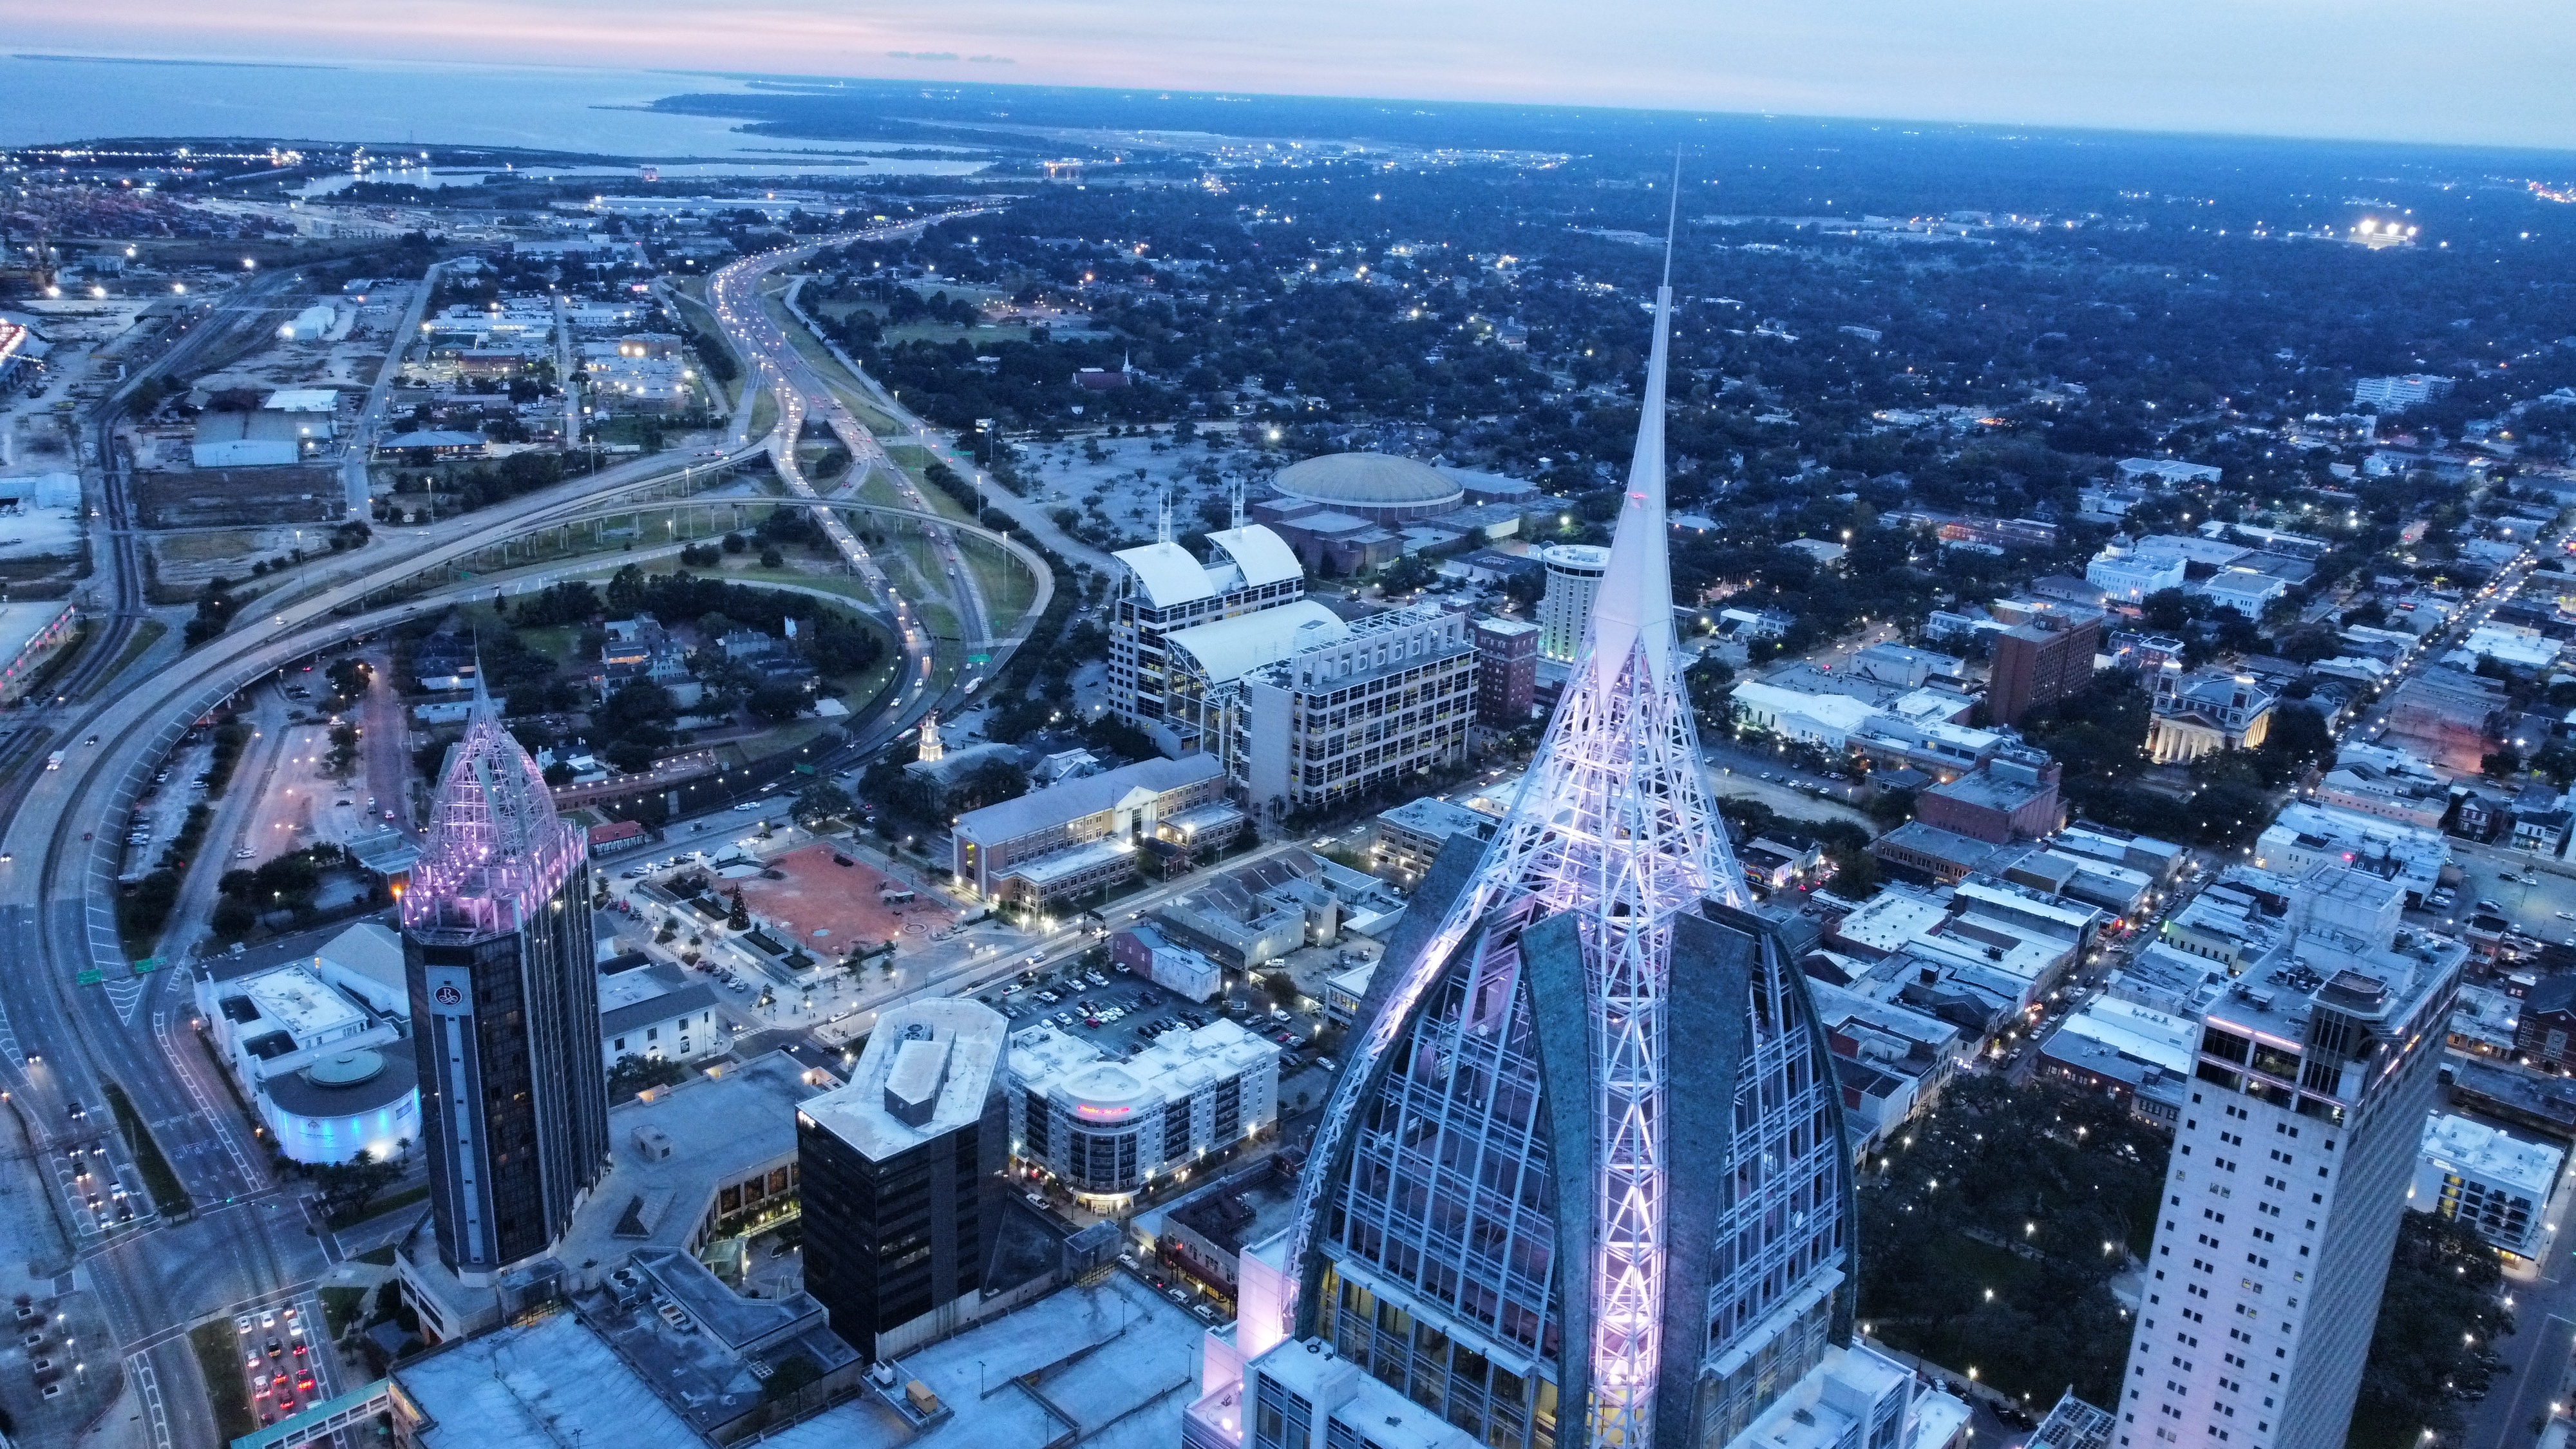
{"type": "Point", "coordinates": [1120, 1012]}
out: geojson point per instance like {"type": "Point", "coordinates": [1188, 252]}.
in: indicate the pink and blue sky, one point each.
{"type": "Point", "coordinates": [2474, 71]}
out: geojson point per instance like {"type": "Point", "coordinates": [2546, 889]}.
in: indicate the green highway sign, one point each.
{"type": "Point", "coordinates": [148, 964]}
{"type": "Point", "coordinates": [91, 977]}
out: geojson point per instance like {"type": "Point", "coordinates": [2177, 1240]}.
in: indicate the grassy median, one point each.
{"type": "Point", "coordinates": [218, 1349]}
{"type": "Point", "coordinates": [158, 1177]}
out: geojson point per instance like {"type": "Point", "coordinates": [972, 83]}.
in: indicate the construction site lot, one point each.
{"type": "Point", "coordinates": [184, 559]}
{"type": "Point", "coordinates": [238, 497]}
{"type": "Point", "coordinates": [827, 907]}
{"type": "Point", "coordinates": [346, 353]}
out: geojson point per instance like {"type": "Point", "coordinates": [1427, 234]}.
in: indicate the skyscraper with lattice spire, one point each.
{"type": "Point", "coordinates": [504, 1006]}
{"type": "Point", "coordinates": [1583, 1178]}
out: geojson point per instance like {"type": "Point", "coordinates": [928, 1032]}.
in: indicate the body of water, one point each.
{"type": "Point", "coordinates": [54, 99]}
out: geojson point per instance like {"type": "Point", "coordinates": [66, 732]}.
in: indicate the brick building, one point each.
{"type": "Point", "coordinates": [2041, 662]}
{"type": "Point", "coordinates": [1506, 672]}
{"type": "Point", "coordinates": [2013, 796]}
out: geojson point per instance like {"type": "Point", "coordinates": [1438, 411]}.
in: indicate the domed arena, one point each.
{"type": "Point", "coordinates": [1379, 487]}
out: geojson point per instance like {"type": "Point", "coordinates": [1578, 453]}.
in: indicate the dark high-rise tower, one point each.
{"type": "Point", "coordinates": [504, 1006]}
{"type": "Point", "coordinates": [902, 1177]}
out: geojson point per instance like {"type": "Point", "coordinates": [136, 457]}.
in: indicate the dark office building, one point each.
{"type": "Point", "coordinates": [2040, 663]}
{"type": "Point", "coordinates": [902, 1175]}
{"type": "Point", "coordinates": [504, 1008]}
{"type": "Point", "coordinates": [1506, 672]}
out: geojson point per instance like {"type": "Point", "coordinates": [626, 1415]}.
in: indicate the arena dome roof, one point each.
{"type": "Point", "coordinates": [1367, 480]}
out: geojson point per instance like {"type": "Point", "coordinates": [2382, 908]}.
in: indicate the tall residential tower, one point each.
{"type": "Point", "coordinates": [505, 1007]}
{"type": "Point", "coordinates": [2291, 1164]}
{"type": "Point", "coordinates": [1583, 1179]}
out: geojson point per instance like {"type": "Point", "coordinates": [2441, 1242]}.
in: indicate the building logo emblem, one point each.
{"type": "Point", "coordinates": [449, 996]}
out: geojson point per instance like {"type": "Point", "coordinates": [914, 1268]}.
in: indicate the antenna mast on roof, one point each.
{"type": "Point", "coordinates": [1234, 495]}
{"type": "Point", "coordinates": [1163, 529]}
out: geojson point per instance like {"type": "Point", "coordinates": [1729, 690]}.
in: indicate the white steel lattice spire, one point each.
{"type": "Point", "coordinates": [1614, 825]}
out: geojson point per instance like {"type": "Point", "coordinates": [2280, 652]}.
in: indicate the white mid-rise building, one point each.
{"type": "Point", "coordinates": [1314, 713]}
{"type": "Point", "coordinates": [2487, 1182]}
{"type": "Point", "coordinates": [2306, 835]}
{"type": "Point", "coordinates": [1162, 588]}
{"type": "Point", "coordinates": [2397, 394]}
{"type": "Point", "coordinates": [2299, 1137]}
{"type": "Point", "coordinates": [2246, 591]}
{"type": "Point", "coordinates": [1573, 576]}
{"type": "Point", "coordinates": [2131, 577]}
{"type": "Point", "coordinates": [2388, 783]}
{"type": "Point", "coordinates": [1106, 1128]}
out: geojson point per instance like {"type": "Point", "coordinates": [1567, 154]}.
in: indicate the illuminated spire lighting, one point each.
{"type": "Point", "coordinates": [1525, 1030]}
{"type": "Point", "coordinates": [496, 850]}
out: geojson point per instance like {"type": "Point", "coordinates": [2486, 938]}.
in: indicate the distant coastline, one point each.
{"type": "Point", "coordinates": [139, 60]}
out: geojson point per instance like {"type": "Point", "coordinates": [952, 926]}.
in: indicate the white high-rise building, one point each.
{"type": "Point", "coordinates": [2298, 1142]}
{"type": "Point", "coordinates": [1162, 589]}
{"type": "Point", "coordinates": [1573, 576]}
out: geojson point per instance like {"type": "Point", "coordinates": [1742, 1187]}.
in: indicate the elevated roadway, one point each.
{"type": "Point", "coordinates": [76, 1016]}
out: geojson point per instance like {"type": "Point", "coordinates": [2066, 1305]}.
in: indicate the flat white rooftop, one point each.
{"type": "Point", "coordinates": [2169, 1041]}
{"type": "Point", "coordinates": [945, 1047]}
{"type": "Point", "coordinates": [296, 1000]}
{"type": "Point", "coordinates": [1178, 1064]}
{"type": "Point", "coordinates": [521, 1386]}
{"type": "Point", "coordinates": [2480, 1153]}
{"type": "Point", "coordinates": [21, 623]}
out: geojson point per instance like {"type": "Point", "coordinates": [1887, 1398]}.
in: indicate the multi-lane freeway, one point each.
{"type": "Point", "coordinates": [76, 1017]}
{"type": "Point", "coordinates": [736, 295]}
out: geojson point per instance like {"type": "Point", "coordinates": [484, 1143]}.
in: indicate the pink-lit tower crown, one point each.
{"type": "Point", "coordinates": [1589, 1125]}
{"type": "Point", "coordinates": [496, 851]}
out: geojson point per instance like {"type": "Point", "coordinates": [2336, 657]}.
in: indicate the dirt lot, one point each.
{"type": "Point", "coordinates": [238, 497]}
{"type": "Point", "coordinates": [189, 559]}
{"type": "Point", "coordinates": [823, 907]}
